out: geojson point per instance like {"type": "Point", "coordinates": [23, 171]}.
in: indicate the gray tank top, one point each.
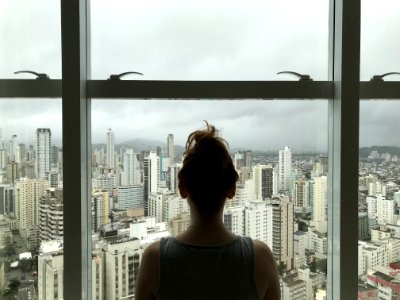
{"type": "Point", "coordinates": [223, 271]}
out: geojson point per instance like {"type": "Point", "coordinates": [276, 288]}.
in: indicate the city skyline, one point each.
{"type": "Point", "coordinates": [258, 125]}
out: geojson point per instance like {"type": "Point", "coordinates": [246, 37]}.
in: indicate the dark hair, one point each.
{"type": "Point", "coordinates": [207, 173]}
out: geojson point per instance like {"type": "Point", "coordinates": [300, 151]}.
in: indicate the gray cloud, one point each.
{"type": "Point", "coordinates": [212, 40]}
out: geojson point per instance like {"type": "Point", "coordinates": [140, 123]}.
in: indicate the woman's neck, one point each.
{"type": "Point", "coordinates": [206, 230]}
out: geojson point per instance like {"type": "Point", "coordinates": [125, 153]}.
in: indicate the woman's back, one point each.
{"type": "Point", "coordinates": [207, 261]}
{"type": "Point", "coordinates": [223, 271]}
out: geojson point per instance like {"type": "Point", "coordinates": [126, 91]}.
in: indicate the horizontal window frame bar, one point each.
{"type": "Point", "coordinates": [147, 89]}
{"type": "Point", "coordinates": [382, 90]}
{"type": "Point", "coordinates": [30, 88]}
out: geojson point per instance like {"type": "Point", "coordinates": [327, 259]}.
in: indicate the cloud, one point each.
{"type": "Point", "coordinates": [200, 39]}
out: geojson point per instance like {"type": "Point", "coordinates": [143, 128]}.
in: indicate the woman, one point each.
{"type": "Point", "coordinates": [207, 261]}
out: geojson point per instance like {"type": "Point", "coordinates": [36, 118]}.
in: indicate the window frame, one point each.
{"type": "Point", "coordinates": [343, 91]}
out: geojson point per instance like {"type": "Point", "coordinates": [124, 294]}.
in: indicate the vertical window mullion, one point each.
{"type": "Point", "coordinates": [76, 149]}
{"type": "Point", "coordinates": [343, 149]}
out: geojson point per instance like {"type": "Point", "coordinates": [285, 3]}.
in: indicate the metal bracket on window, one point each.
{"type": "Point", "coordinates": [302, 77]}
{"type": "Point", "coordinates": [118, 76]}
{"type": "Point", "coordinates": [38, 75]}
{"type": "Point", "coordinates": [380, 77]}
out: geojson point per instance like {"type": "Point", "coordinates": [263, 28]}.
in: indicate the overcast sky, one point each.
{"type": "Point", "coordinates": [196, 40]}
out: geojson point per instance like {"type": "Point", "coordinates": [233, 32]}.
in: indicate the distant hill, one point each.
{"type": "Point", "coordinates": [392, 150]}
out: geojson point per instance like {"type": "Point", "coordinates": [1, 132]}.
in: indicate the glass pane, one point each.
{"type": "Point", "coordinates": [380, 31]}
{"type": "Point", "coordinates": [379, 200]}
{"type": "Point", "coordinates": [30, 38]}
{"type": "Point", "coordinates": [279, 149]}
{"type": "Point", "coordinates": [210, 40]}
{"type": "Point", "coordinates": [31, 199]}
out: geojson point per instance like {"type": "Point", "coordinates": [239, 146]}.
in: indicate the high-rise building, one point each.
{"type": "Point", "coordinates": [151, 177]}
{"type": "Point", "coordinates": [105, 181]}
{"type": "Point", "coordinates": [179, 224]}
{"type": "Point", "coordinates": [2, 157]}
{"type": "Point", "coordinates": [241, 197]}
{"type": "Point", "coordinates": [282, 228]}
{"type": "Point", "coordinates": [385, 209]}
{"type": "Point", "coordinates": [165, 163]}
{"type": "Point", "coordinates": [285, 169]}
{"type": "Point", "coordinates": [100, 209]}
{"type": "Point", "coordinates": [51, 270]}
{"type": "Point", "coordinates": [51, 215]}
{"type": "Point", "coordinates": [234, 220]}
{"type": "Point", "coordinates": [248, 159]}
{"type": "Point", "coordinates": [97, 274]}
{"type": "Point", "coordinates": [293, 288]}
{"type": "Point", "coordinates": [396, 198]}
{"type": "Point", "coordinates": [321, 166]}
{"type": "Point", "coordinates": [122, 257]}
{"type": "Point", "coordinates": [263, 181]}
{"type": "Point", "coordinates": [363, 229]}
{"type": "Point", "coordinates": [6, 238]}
{"type": "Point", "coordinates": [238, 160]}
{"type": "Point", "coordinates": [130, 196]}
{"type": "Point", "coordinates": [131, 173]}
{"type": "Point", "coordinates": [258, 221]}
{"type": "Point", "coordinates": [320, 204]}
{"type": "Point", "coordinates": [155, 205]}
{"type": "Point", "coordinates": [170, 148]}
{"type": "Point", "coordinates": [173, 206]}
{"type": "Point", "coordinates": [299, 244]}
{"type": "Point", "coordinates": [110, 153]}
{"type": "Point", "coordinates": [7, 200]}
{"type": "Point", "coordinates": [28, 192]}
{"type": "Point", "coordinates": [376, 187]}
{"type": "Point", "coordinates": [43, 152]}
{"type": "Point", "coordinates": [14, 150]}
{"type": "Point", "coordinates": [301, 197]}
{"type": "Point", "coordinates": [12, 171]}
{"type": "Point", "coordinates": [173, 177]}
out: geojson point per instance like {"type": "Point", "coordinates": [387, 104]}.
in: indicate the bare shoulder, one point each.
{"type": "Point", "coordinates": [266, 273]}
{"type": "Point", "coordinates": [147, 280]}
{"type": "Point", "coordinates": [152, 250]}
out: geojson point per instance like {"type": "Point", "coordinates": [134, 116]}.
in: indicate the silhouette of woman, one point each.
{"type": "Point", "coordinates": [207, 261]}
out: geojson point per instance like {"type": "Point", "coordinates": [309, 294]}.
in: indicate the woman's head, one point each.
{"type": "Point", "coordinates": [207, 176]}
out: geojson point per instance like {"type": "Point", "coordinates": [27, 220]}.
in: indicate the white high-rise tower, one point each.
{"type": "Point", "coordinates": [170, 148]}
{"type": "Point", "coordinates": [110, 154]}
{"type": "Point", "coordinates": [43, 155]}
{"type": "Point", "coordinates": [285, 168]}
{"type": "Point", "coordinates": [131, 173]}
{"type": "Point", "coordinates": [319, 208]}
{"type": "Point", "coordinates": [14, 150]}
{"type": "Point", "coordinates": [151, 177]}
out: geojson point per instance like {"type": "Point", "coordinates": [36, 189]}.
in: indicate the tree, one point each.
{"type": "Point", "coordinates": [10, 250]}
{"type": "Point", "coordinates": [313, 266]}
{"type": "Point", "coordinates": [26, 264]}
{"type": "Point", "coordinates": [322, 265]}
{"type": "Point", "coordinates": [281, 268]}
{"type": "Point", "coordinates": [14, 283]}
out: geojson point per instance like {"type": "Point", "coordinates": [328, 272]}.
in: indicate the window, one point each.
{"type": "Point", "coordinates": [208, 40]}
{"type": "Point", "coordinates": [31, 167]}
{"type": "Point", "coordinates": [332, 49]}
{"type": "Point", "coordinates": [378, 168]}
